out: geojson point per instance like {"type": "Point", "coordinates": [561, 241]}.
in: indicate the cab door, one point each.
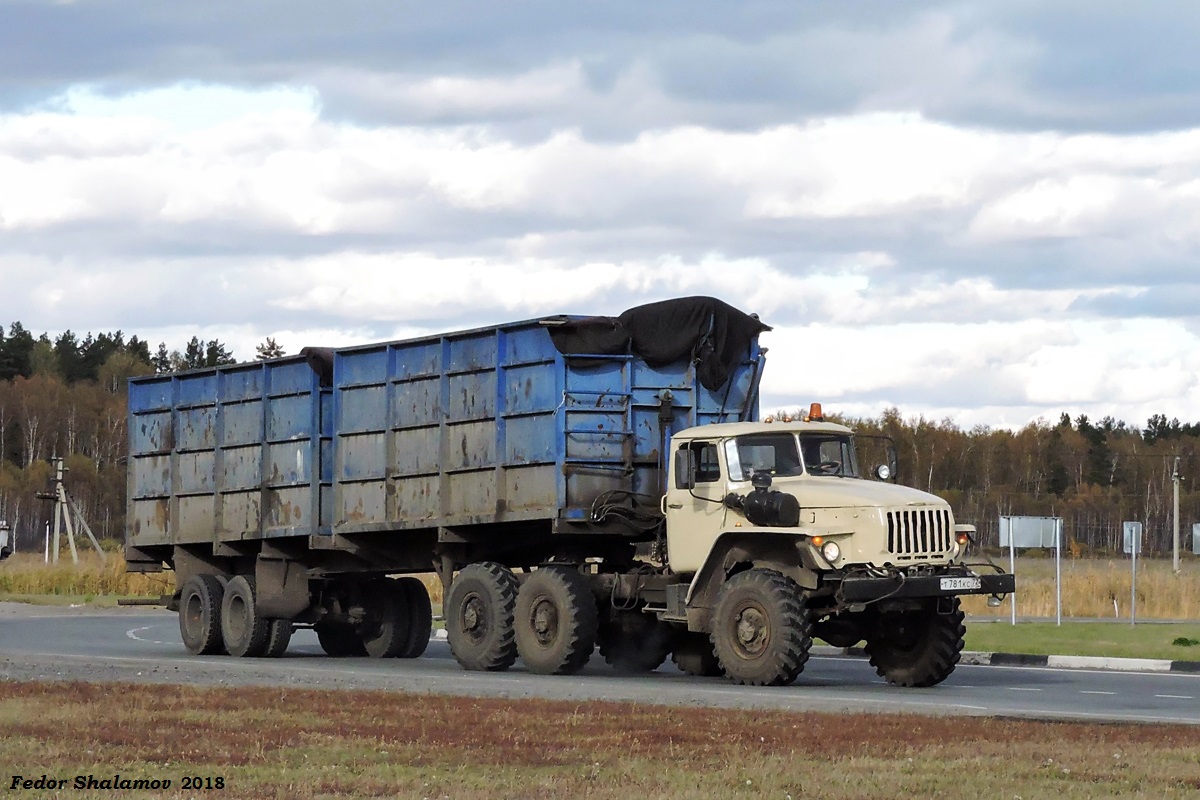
{"type": "Point", "coordinates": [696, 516]}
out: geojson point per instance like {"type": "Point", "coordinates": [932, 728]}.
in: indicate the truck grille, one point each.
{"type": "Point", "coordinates": [917, 533]}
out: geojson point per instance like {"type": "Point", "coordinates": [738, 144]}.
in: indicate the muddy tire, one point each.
{"type": "Point", "coordinates": [761, 628]}
{"type": "Point", "coordinates": [556, 621]}
{"type": "Point", "coordinates": [243, 630]}
{"type": "Point", "coordinates": [200, 615]}
{"type": "Point", "coordinates": [479, 617]}
{"type": "Point", "coordinates": [339, 639]}
{"type": "Point", "coordinates": [694, 654]}
{"type": "Point", "coordinates": [385, 631]}
{"type": "Point", "coordinates": [917, 648]}
{"type": "Point", "coordinates": [420, 617]}
{"type": "Point", "coordinates": [633, 641]}
{"type": "Point", "coordinates": [279, 635]}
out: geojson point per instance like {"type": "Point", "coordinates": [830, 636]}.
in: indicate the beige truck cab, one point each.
{"type": "Point", "coordinates": [784, 536]}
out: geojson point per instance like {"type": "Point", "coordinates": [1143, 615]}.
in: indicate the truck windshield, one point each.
{"type": "Point", "coordinates": [775, 453]}
{"type": "Point", "coordinates": [829, 454]}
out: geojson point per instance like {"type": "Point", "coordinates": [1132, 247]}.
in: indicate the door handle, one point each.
{"type": "Point", "coordinates": [674, 505]}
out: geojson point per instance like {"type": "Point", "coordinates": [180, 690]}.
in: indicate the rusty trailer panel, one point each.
{"type": "Point", "coordinates": [492, 425]}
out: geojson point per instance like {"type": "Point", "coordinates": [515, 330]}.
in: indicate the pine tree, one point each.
{"type": "Point", "coordinates": [268, 349]}
{"type": "Point", "coordinates": [216, 354]}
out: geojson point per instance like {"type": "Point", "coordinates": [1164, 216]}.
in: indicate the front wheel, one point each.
{"type": "Point", "coordinates": [761, 628]}
{"type": "Point", "coordinates": [919, 647]}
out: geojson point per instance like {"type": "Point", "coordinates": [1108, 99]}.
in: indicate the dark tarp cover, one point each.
{"type": "Point", "coordinates": [713, 334]}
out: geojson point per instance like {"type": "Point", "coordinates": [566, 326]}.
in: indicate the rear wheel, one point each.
{"type": "Point", "coordinates": [555, 621]}
{"type": "Point", "coordinates": [339, 639]}
{"type": "Point", "coordinates": [244, 631]}
{"type": "Point", "coordinates": [420, 617]}
{"type": "Point", "coordinates": [278, 637]}
{"type": "Point", "coordinates": [917, 648]}
{"type": "Point", "coordinates": [761, 628]}
{"type": "Point", "coordinates": [633, 641]}
{"type": "Point", "coordinates": [479, 617]}
{"type": "Point", "coordinates": [385, 633]}
{"type": "Point", "coordinates": [200, 615]}
{"type": "Point", "coordinates": [694, 654]}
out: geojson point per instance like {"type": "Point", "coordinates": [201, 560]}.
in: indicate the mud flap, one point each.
{"type": "Point", "coordinates": [282, 588]}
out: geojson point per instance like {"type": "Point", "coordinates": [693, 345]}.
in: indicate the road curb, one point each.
{"type": "Point", "coordinates": [1084, 662]}
{"type": "Point", "coordinates": [974, 658]}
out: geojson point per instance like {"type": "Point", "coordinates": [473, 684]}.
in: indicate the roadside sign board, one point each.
{"type": "Point", "coordinates": [1133, 537]}
{"type": "Point", "coordinates": [1030, 531]}
{"type": "Point", "coordinates": [1034, 532]}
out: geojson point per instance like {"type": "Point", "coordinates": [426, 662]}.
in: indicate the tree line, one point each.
{"type": "Point", "coordinates": [1095, 475]}
{"type": "Point", "coordinates": [66, 397]}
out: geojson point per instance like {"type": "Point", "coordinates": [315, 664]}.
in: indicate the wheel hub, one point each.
{"type": "Point", "coordinates": [474, 618]}
{"type": "Point", "coordinates": [752, 631]}
{"type": "Point", "coordinates": [544, 619]}
{"type": "Point", "coordinates": [193, 612]}
{"type": "Point", "coordinates": [237, 616]}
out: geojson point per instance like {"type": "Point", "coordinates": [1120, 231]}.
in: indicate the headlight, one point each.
{"type": "Point", "coordinates": [831, 551]}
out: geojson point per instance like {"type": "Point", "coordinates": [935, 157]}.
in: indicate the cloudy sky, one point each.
{"type": "Point", "coordinates": [988, 211]}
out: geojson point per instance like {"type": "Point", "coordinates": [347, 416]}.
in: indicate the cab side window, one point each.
{"type": "Point", "coordinates": [708, 468]}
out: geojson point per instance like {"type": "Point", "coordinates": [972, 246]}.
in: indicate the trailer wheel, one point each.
{"type": "Point", "coordinates": [694, 654]}
{"type": "Point", "coordinates": [420, 618]}
{"type": "Point", "coordinates": [479, 617]}
{"type": "Point", "coordinates": [279, 635]}
{"type": "Point", "coordinates": [339, 639]}
{"type": "Point", "coordinates": [761, 628]}
{"type": "Point", "coordinates": [385, 633]}
{"type": "Point", "coordinates": [634, 641]}
{"type": "Point", "coordinates": [200, 615]}
{"type": "Point", "coordinates": [917, 648]}
{"type": "Point", "coordinates": [556, 621]}
{"type": "Point", "coordinates": [244, 631]}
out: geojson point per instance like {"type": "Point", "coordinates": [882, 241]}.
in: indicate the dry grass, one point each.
{"type": "Point", "coordinates": [26, 574]}
{"type": "Point", "coordinates": [1089, 587]}
{"type": "Point", "coordinates": [286, 743]}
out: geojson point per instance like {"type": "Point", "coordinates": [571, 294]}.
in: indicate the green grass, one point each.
{"type": "Point", "coordinates": [1109, 639]}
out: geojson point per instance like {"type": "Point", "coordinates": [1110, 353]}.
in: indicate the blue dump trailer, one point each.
{"type": "Point", "coordinates": [534, 468]}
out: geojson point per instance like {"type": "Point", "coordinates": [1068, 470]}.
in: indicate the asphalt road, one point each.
{"type": "Point", "coordinates": [139, 645]}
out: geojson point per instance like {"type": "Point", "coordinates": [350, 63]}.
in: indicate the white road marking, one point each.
{"type": "Point", "coordinates": [1084, 691]}
{"type": "Point", "coordinates": [133, 634]}
{"type": "Point", "coordinates": [1021, 689]}
{"type": "Point", "coordinates": [1175, 696]}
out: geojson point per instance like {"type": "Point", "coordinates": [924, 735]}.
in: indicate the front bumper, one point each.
{"type": "Point", "coordinates": [947, 584]}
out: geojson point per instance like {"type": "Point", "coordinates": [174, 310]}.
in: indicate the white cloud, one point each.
{"type": "Point", "coordinates": [897, 255]}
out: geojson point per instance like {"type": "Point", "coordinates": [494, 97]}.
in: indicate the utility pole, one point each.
{"type": "Point", "coordinates": [67, 512]}
{"type": "Point", "coordinates": [1175, 479]}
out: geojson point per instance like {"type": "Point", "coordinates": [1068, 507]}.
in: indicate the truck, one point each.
{"type": "Point", "coordinates": [571, 483]}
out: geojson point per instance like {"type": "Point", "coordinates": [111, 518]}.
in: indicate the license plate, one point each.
{"type": "Point", "coordinates": [959, 584]}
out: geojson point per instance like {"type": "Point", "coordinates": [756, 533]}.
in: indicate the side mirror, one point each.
{"type": "Point", "coordinates": [685, 469]}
